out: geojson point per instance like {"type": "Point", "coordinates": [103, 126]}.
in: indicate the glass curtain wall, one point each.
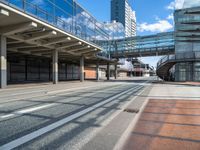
{"type": "Point", "coordinates": [187, 42]}
{"type": "Point", "coordinates": [64, 14]}
{"type": "Point", "coordinates": [197, 71]}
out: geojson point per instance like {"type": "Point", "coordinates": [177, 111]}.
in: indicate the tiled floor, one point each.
{"type": "Point", "coordinates": [167, 125]}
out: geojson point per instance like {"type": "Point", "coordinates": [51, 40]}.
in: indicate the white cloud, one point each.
{"type": "Point", "coordinates": [171, 6]}
{"type": "Point", "coordinates": [179, 4]}
{"type": "Point", "coordinates": [170, 17]}
{"type": "Point", "coordinates": [191, 3]}
{"type": "Point", "coordinates": [159, 26]}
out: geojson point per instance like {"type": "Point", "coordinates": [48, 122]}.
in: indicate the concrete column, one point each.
{"type": "Point", "coordinates": [115, 71]}
{"type": "Point", "coordinates": [108, 71]}
{"type": "Point", "coordinates": [82, 68]}
{"type": "Point", "coordinates": [55, 66]}
{"type": "Point", "coordinates": [3, 62]}
{"type": "Point", "coordinates": [97, 71]}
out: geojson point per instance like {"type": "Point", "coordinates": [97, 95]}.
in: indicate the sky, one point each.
{"type": "Point", "coordinates": [153, 16]}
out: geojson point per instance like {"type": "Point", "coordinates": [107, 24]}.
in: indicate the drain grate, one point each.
{"type": "Point", "coordinates": [131, 110]}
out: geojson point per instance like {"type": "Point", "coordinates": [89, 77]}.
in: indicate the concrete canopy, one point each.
{"type": "Point", "coordinates": [26, 34]}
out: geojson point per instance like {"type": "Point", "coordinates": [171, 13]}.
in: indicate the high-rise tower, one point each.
{"type": "Point", "coordinates": [122, 12]}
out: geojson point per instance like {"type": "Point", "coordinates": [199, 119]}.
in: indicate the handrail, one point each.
{"type": "Point", "coordinates": [68, 24]}
{"type": "Point", "coordinates": [143, 49]}
{"type": "Point", "coordinates": [179, 56]}
{"type": "Point", "coordinates": [139, 43]}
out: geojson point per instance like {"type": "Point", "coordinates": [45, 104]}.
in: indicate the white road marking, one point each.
{"type": "Point", "coordinates": [34, 109]}
{"type": "Point", "coordinates": [7, 116]}
{"type": "Point", "coordinates": [38, 91]}
{"type": "Point", "coordinates": [105, 122]}
{"type": "Point", "coordinates": [17, 142]}
{"type": "Point", "coordinates": [21, 112]}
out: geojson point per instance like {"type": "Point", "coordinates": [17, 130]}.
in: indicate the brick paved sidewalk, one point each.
{"type": "Point", "coordinates": [167, 125]}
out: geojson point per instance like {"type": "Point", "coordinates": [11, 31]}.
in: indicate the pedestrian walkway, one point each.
{"type": "Point", "coordinates": [167, 125]}
{"type": "Point", "coordinates": [180, 83]}
{"type": "Point", "coordinates": [169, 121]}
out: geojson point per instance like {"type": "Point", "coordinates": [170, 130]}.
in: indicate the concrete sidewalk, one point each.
{"type": "Point", "coordinates": [169, 121]}
{"type": "Point", "coordinates": [116, 125]}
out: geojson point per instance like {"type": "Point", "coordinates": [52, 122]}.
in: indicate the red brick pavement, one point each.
{"type": "Point", "coordinates": [167, 125]}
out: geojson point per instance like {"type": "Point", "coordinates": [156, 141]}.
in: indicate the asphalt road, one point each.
{"type": "Point", "coordinates": [60, 119]}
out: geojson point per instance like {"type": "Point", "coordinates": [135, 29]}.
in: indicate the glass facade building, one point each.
{"type": "Point", "coordinates": [64, 14]}
{"type": "Point", "coordinates": [122, 12]}
{"type": "Point", "coordinates": [70, 17]}
{"type": "Point", "coordinates": [187, 42]}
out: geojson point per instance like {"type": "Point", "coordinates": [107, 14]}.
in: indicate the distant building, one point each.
{"type": "Point", "coordinates": [122, 12]}
{"type": "Point", "coordinates": [134, 68]}
{"type": "Point", "coordinates": [141, 69]}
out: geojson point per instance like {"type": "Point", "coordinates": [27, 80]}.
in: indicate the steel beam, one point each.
{"type": "Point", "coordinates": [79, 49]}
{"type": "Point", "coordinates": [16, 28]}
{"type": "Point", "coordinates": [41, 35]}
{"type": "Point", "coordinates": [56, 40]}
{"type": "Point", "coordinates": [20, 45]}
{"type": "Point", "coordinates": [68, 45]}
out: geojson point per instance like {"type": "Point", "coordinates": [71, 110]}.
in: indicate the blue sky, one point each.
{"type": "Point", "coordinates": [149, 13]}
{"type": "Point", "coordinates": [153, 16]}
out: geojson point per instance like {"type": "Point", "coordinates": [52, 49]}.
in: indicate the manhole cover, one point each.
{"type": "Point", "coordinates": [130, 110]}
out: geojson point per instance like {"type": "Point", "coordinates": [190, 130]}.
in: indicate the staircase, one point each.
{"type": "Point", "coordinates": [163, 67]}
{"type": "Point", "coordinates": [167, 62]}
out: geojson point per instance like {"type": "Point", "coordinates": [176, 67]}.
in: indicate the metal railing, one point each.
{"type": "Point", "coordinates": [69, 23]}
{"type": "Point", "coordinates": [179, 57]}
{"type": "Point", "coordinates": [136, 44]}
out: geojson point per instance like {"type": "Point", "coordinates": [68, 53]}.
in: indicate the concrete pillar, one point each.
{"type": "Point", "coordinates": [115, 71]}
{"type": "Point", "coordinates": [55, 66]}
{"type": "Point", "coordinates": [82, 68]}
{"type": "Point", "coordinates": [97, 71]}
{"type": "Point", "coordinates": [108, 71]}
{"type": "Point", "coordinates": [3, 62]}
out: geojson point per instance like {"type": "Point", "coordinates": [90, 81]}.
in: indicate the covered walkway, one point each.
{"type": "Point", "coordinates": [35, 49]}
{"type": "Point", "coordinates": [140, 46]}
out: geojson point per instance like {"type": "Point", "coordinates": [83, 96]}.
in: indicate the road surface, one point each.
{"type": "Point", "coordinates": [61, 117]}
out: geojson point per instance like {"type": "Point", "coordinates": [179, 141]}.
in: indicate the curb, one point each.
{"type": "Point", "coordinates": [122, 141]}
